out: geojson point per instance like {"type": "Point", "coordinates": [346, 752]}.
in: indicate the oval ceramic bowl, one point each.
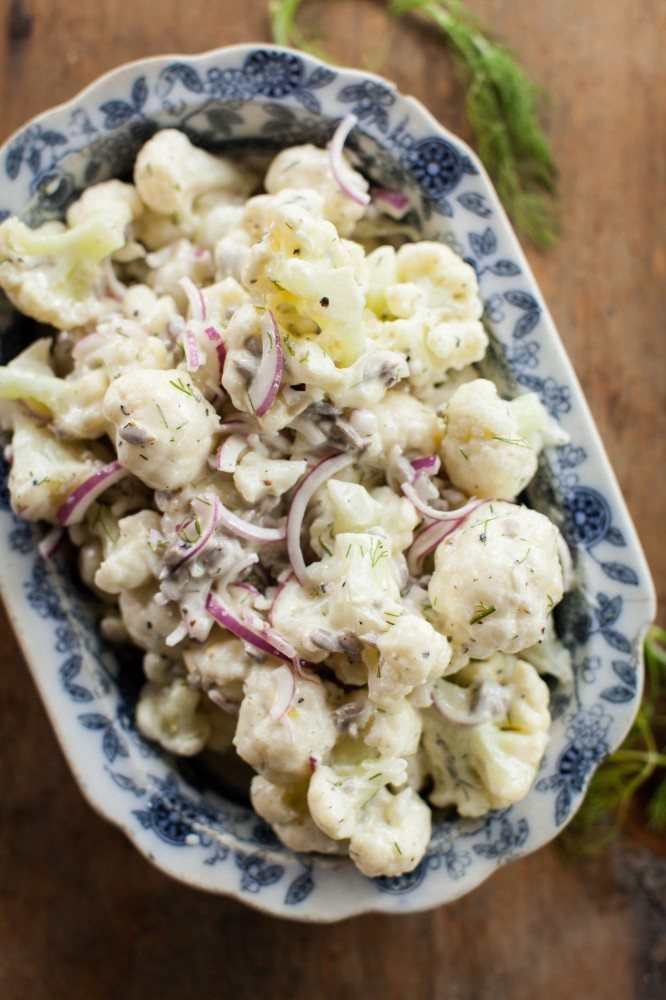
{"type": "Point", "coordinates": [259, 98]}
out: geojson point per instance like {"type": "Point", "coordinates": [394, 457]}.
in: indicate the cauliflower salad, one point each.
{"type": "Point", "coordinates": [260, 424]}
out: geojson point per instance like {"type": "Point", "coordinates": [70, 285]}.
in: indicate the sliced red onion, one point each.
{"type": "Point", "coordinates": [215, 337]}
{"type": "Point", "coordinates": [285, 685]}
{"type": "Point", "coordinates": [263, 639]}
{"type": "Point", "coordinates": [432, 512]}
{"type": "Point", "coordinates": [429, 464]}
{"type": "Point", "coordinates": [338, 166]}
{"type": "Point", "coordinates": [195, 299]}
{"type": "Point", "coordinates": [308, 486]}
{"type": "Point", "coordinates": [75, 506]}
{"type": "Point", "coordinates": [229, 453]}
{"type": "Point", "coordinates": [214, 517]}
{"type": "Point", "coordinates": [392, 203]}
{"type": "Point", "coordinates": [428, 539]}
{"type": "Point", "coordinates": [265, 384]}
{"type": "Point", "coordinates": [245, 529]}
{"type": "Point", "coordinates": [191, 348]}
{"type": "Point", "coordinates": [50, 543]}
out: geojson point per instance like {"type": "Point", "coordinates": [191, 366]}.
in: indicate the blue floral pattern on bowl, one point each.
{"type": "Point", "coordinates": [260, 98]}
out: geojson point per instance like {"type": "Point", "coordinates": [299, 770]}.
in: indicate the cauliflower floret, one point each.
{"type": "Point", "coordinates": [148, 623]}
{"type": "Point", "coordinates": [45, 470]}
{"type": "Point", "coordinates": [285, 807]}
{"type": "Point", "coordinates": [170, 174]}
{"type": "Point", "coordinates": [302, 265]}
{"type": "Point", "coordinates": [360, 583]}
{"type": "Point", "coordinates": [404, 421]}
{"type": "Point", "coordinates": [131, 561]}
{"type": "Point", "coordinates": [257, 476]}
{"type": "Point", "coordinates": [550, 657]}
{"type": "Point", "coordinates": [497, 579]}
{"type": "Point", "coordinates": [117, 346]}
{"type": "Point", "coordinates": [300, 616]}
{"type": "Point", "coordinates": [344, 506]}
{"type": "Point", "coordinates": [341, 506]}
{"type": "Point", "coordinates": [219, 666]}
{"type": "Point", "coordinates": [310, 167]}
{"type": "Point", "coordinates": [427, 300]}
{"type": "Point", "coordinates": [431, 279]}
{"type": "Point", "coordinates": [164, 428]}
{"type": "Point", "coordinates": [280, 748]}
{"type": "Point", "coordinates": [153, 312]}
{"type": "Point", "coordinates": [394, 731]}
{"type": "Point", "coordinates": [490, 445]}
{"type": "Point", "coordinates": [486, 735]}
{"type": "Point", "coordinates": [369, 379]}
{"type": "Point", "coordinates": [173, 715]}
{"type": "Point", "coordinates": [388, 832]}
{"type": "Point", "coordinates": [53, 273]}
{"type": "Point", "coordinates": [180, 259]}
{"type": "Point", "coordinates": [404, 658]}
{"type": "Point", "coordinates": [120, 205]}
{"type": "Point", "coordinates": [74, 403]}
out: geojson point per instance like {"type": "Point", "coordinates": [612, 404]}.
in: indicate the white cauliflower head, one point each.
{"type": "Point", "coordinates": [360, 583]}
{"type": "Point", "coordinates": [46, 470]}
{"type": "Point", "coordinates": [486, 734]}
{"type": "Point", "coordinates": [55, 274]}
{"type": "Point", "coordinates": [407, 656]}
{"type": "Point", "coordinates": [388, 832]}
{"type": "Point", "coordinates": [278, 741]}
{"type": "Point", "coordinates": [309, 167]}
{"type": "Point", "coordinates": [302, 266]}
{"type": "Point", "coordinates": [257, 476]}
{"type": "Point", "coordinates": [170, 174]}
{"type": "Point", "coordinates": [300, 615]}
{"type": "Point", "coordinates": [426, 298]}
{"type": "Point", "coordinates": [179, 718]}
{"type": "Point", "coordinates": [120, 205]}
{"type": "Point", "coordinates": [490, 445]}
{"type": "Point", "coordinates": [497, 579]}
{"type": "Point", "coordinates": [147, 621]}
{"type": "Point", "coordinates": [219, 667]}
{"type": "Point", "coordinates": [285, 807]}
{"type": "Point", "coordinates": [348, 506]}
{"type": "Point", "coordinates": [164, 427]}
{"type": "Point", "coordinates": [131, 560]}
{"type": "Point", "coordinates": [405, 422]}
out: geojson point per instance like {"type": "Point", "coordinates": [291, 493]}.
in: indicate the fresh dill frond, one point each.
{"type": "Point", "coordinates": [501, 103]}
{"type": "Point", "coordinates": [639, 766]}
{"type": "Point", "coordinates": [502, 110]}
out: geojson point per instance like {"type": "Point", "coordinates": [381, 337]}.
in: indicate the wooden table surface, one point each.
{"type": "Point", "coordinates": [82, 915]}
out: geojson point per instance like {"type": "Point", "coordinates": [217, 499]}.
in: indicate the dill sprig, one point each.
{"type": "Point", "coordinates": [501, 108]}
{"type": "Point", "coordinates": [638, 766]}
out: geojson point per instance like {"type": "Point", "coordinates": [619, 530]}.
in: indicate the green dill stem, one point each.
{"type": "Point", "coordinates": [652, 759]}
{"type": "Point", "coordinates": [501, 108]}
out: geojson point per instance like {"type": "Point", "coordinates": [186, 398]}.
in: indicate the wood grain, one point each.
{"type": "Point", "coordinates": [81, 913]}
